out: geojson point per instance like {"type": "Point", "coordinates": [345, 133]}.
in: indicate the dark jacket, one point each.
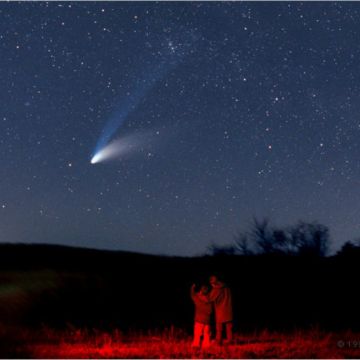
{"type": "Point", "coordinates": [221, 296]}
{"type": "Point", "coordinates": [203, 307]}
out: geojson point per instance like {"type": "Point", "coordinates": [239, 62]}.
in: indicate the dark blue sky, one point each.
{"type": "Point", "coordinates": [233, 110]}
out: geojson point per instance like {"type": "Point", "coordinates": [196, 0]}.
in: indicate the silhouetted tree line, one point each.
{"type": "Point", "coordinates": [56, 286]}
{"type": "Point", "coordinates": [301, 239]}
{"type": "Point", "coordinates": [350, 249]}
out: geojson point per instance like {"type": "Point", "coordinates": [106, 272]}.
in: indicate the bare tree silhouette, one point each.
{"type": "Point", "coordinates": [301, 239]}
{"type": "Point", "coordinates": [242, 244]}
{"type": "Point", "coordinates": [262, 235]}
{"type": "Point", "coordinates": [217, 250]}
{"type": "Point", "coordinates": [310, 239]}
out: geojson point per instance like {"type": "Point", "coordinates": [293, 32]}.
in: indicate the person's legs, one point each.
{"type": "Point", "coordinates": [206, 338]}
{"type": "Point", "coordinates": [219, 329]}
{"type": "Point", "coordinates": [229, 332]}
{"type": "Point", "coordinates": [198, 329]}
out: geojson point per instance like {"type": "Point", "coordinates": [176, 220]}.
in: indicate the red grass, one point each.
{"type": "Point", "coordinates": [176, 344]}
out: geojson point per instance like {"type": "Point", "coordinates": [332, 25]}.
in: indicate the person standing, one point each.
{"type": "Point", "coordinates": [203, 312]}
{"type": "Point", "coordinates": [221, 297]}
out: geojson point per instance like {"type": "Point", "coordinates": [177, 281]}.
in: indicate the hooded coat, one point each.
{"type": "Point", "coordinates": [220, 295]}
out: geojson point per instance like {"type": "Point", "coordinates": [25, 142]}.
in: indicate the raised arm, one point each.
{"type": "Point", "coordinates": [214, 294]}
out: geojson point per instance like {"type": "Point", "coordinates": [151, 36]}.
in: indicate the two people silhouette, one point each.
{"type": "Point", "coordinates": [214, 297]}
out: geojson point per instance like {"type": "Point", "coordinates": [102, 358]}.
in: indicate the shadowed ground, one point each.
{"type": "Point", "coordinates": [173, 343]}
{"type": "Point", "coordinates": [278, 302]}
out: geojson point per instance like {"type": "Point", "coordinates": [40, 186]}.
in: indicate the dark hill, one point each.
{"type": "Point", "coordinates": [57, 286]}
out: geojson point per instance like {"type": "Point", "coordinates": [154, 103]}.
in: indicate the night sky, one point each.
{"type": "Point", "coordinates": [215, 112]}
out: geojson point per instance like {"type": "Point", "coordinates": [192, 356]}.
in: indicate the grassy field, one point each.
{"type": "Point", "coordinates": [76, 343]}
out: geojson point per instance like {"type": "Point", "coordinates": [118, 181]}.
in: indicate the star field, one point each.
{"type": "Point", "coordinates": [253, 110]}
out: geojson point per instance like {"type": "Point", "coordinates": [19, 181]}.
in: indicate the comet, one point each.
{"type": "Point", "coordinates": [167, 59]}
{"type": "Point", "coordinates": [124, 146]}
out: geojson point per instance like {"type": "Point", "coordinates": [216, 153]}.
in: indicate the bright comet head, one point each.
{"type": "Point", "coordinates": [96, 158]}
{"type": "Point", "coordinates": [119, 147]}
